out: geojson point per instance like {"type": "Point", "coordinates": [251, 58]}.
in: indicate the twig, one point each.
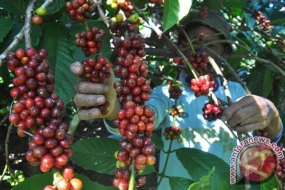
{"type": "Point", "coordinates": [225, 63]}
{"type": "Point", "coordinates": [160, 33]}
{"type": "Point", "coordinates": [4, 120]}
{"type": "Point", "coordinates": [222, 78]}
{"type": "Point", "coordinates": [73, 124]}
{"type": "Point", "coordinates": [28, 32]}
{"type": "Point", "coordinates": [46, 4]}
{"type": "Point", "coordinates": [98, 4]}
{"type": "Point", "coordinates": [17, 39]}
{"type": "Point", "coordinates": [7, 149]}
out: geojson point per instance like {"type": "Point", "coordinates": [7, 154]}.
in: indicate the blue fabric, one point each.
{"type": "Point", "coordinates": [276, 139]}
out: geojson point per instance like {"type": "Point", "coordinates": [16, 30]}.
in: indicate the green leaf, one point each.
{"type": "Point", "coordinates": [156, 139]}
{"type": "Point", "coordinates": [148, 169]}
{"type": "Point", "coordinates": [213, 5]}
{"type": "Point", "coordinates": [35, 182]}
{"type": "Point", "coordinates": [6, 26]}
{"type": "Point", "coordinates": [199, 163]}
{"type": "Point", "coordinates": [204, 182]}
{"type": "Point", "coordinates": [15, 7]}
{"type": "Point", "coordinates": [179, 183]}
{"type": "Point", "coordinates": [174, 11]}
{"type": "Point", "coordinates": [96, 154]}
{"type": "Point", "coordinates": [236, 7]}
{"type": "Point", "coordinates": [55, 40]}
{"type": "Point", "coordinates": [270, 183]}
{"type": "Point", "coordinates": [140, 3]}
{"type": "Point", "coordinates": [261, 80]}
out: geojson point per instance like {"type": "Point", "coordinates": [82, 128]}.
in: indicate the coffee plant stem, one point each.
{"type": "Point", "coordinates": [232, 71]}
{"type": "Point", "coordinates": [187, 38]}
{"type": "Point", "coordinates": [73, 124]}
{"type": "Point", "coordinates": [133, 176]}
{"type": "Point", "coordinates": [4, 120]}
{"type": "Point", "coordinates": [98, 4]}
{"type": "Point", "coordinates": [222, 78]}
{"type": "Point", "coordinates": [3, 173]}
{"type": "Point", "coordinates": [165, 163]}
{"type": "Point", "coordinates": [28, 23]}
{"type": "Point", "coordinates": [46, 4]}
{"type": "Point", "coordinates": [17, 39]}
{"type": "Point", "coordinates": [86, 25]}
{"type": "Point", "coordinates": [7, 150]}
{"type": "Point", "coordinates": [160, 33]}
{"type": "Point", "coordinates": [266, 62]}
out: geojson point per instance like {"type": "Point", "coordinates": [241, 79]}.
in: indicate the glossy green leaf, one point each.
{"type": "Point", "coordinates": [174, 11]}
{"type": "Point", "coordinates": [149, 169]}
{"type": "Point", "coordinates": [6, 25]}
{"type": "Point", "coordinates": [55, 40]}
{"type": "Point", "coordinates": [213, 5]}
{"type": "Point", "coordinates": [236, 7]}
{"type": "Point", "coordinates": [35, 182]}
{"type": "Point", "coordinates": [203, 183]}
{"type": "Point", "coordinates": [15, 7]}
{"type": "Point", "coordinates": [96, 154]}
{"type": "Point", "coordinates": [156, 139]}
{"type": "Point", "coordinates": [179, 183]}
{"type": "Point", "coordinates": [261, 80]}
{"type": "Point", "coordinates": [272, 182]}
{"type": "Point", "coordinates": [199, 164]}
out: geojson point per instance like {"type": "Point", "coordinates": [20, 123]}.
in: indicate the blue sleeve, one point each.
{"type": "Point", "coordinates": [276, 139]}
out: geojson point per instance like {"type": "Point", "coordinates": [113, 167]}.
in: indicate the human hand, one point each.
{"type": "Point", "coordinates": [251, 113]}
{"type": "Point", "coordinates": [89, 95]}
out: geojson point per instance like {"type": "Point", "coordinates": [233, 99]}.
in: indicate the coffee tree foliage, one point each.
{"type": "Point", "coordinates": [258, 60]}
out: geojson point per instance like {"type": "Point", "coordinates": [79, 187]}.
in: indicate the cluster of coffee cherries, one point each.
{"type": "Point", "coordinates": [172, 133]}
{"type": "Point", "coordinates": [118, 24]}
{"type": "Point", "coordinates": [124, 5]}
{"type": "Point", "coordinates": [135, 124]}
{"type": "Point", "coordinates": [199, 60]}
{"type": "Point", "coordinates": [90, 42]}
{"type": "Point", "coordinates": [38, 111]}
{"type": "Point", "coordinates": [50, 147]}
{"type": "Point", "coordinates": [132, 70]}
{"type": "Point", "coordinates": [141, 150]}
{"type": "Point", "coordinates": [158, 2]}
{"type": "Point", "coordinates": [135, 120]}
{"type": "Point", "coordinates": [202, 85]}
{"type": "Point", "coordinates": [204, 11]}
{"type": "Point", "coordinates": [174, 89]}
{"type": "Point", "coordinates": [261, 20]}
{"type": "Point", "coordinates": [80, 9]}
{"type": "Point", "coordinates": [211, 111]}
{"type": "Point", "coordinates": [97, 70]}
{"type": "Point", "coordinates": [281, 43]}
{"type": "Point", "coordinates": [65, 181]}
{"type": "Point", "coordinates": [176, 110]}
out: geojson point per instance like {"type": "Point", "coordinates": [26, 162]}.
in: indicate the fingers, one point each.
{"type": "Point", "coordinates": [235, 107]}
{"type": "Point", "coordinates": [87, 114]}
{"type": "Point", "coordinates": [249, 127]}
{"type": "Point", "coordinates": [85, 87]}
{"type": "Point", "coordinates": [85, 100]}
{"type": "Point", "coordinates": [242, 114]}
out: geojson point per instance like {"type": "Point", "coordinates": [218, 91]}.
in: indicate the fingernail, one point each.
{"type": "Point", "coordinates": [95, 113]}
{"type": "Point", "coordinates": [77, 70]}
{"type": "Point", "coordinates": [101, 99]}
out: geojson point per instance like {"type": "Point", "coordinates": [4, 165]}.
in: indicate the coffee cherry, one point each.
{"type": "Point", "coordinates": [63, 184]}
{"type": "Point", "coordinates": [68, 172]}
{"type": "Point", "coordinates": [37, 19]}
{"type": "Point", "coordinates": [75, 184]}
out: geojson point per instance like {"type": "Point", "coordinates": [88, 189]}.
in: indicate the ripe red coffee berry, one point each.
{"type": "Point", "coordinates": [75, 184]}
{"type": "Point", "coordinates": [68, 172]}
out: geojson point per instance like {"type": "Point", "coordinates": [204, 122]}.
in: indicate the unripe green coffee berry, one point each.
{"type": "Point", "coordinates": [41, 11]}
